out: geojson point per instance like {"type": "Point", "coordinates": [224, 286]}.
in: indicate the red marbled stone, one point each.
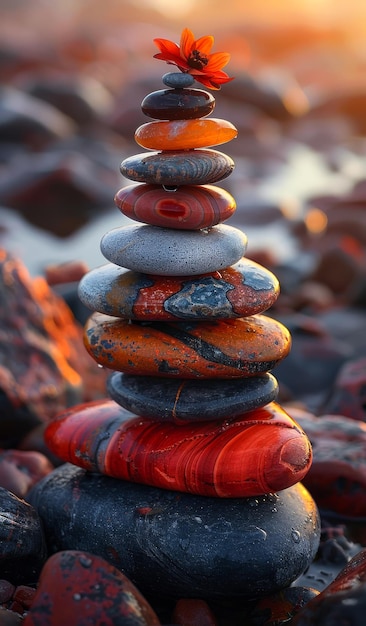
{"type": "Point", "coordinates": [260, 452]}
{"type": "Point", "coordinates": [220, 349]}
{"type": "Point", "coordinates": [243, 289]}
{"type": "Point", "coordinates": [79, 589]}
{"type": "Point", "coordinates": [187, 207]}
{"type": "Point", "coordinates": [185, 134]}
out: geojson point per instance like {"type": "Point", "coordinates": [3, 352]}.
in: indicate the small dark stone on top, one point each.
{"type": "Point", "coordinates": [178, 79]}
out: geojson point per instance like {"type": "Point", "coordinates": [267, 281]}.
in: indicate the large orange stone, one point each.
{"type": "Point", "coordinates": [185, 134]}
{"type": "Point", "coordinates": [222, 349]}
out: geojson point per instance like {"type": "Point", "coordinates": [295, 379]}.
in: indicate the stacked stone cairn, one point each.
{"type": "Point", "coordinates": [203, 464]}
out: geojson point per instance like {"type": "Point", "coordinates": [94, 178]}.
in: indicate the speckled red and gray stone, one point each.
{"type": "Point", "coordinates": [241, 290]}
{"type": "Point", "coordinates": [79, 588]}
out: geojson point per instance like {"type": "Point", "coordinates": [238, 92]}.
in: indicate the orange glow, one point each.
{"type": "Point", "coordinates": [316, 221]}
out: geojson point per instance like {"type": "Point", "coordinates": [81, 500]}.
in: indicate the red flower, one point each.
{"type": "Point", "coordinates": [193, 56]}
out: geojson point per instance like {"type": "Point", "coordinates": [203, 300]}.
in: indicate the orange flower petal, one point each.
{"type": "Point", "coordinates": [167, 47]}
{"type": "Point", "coordinates": [204, 44]}
{"type": "Point", "coordinates": [186, 43]}
{"type": "Point", "coordinates": [216, 61]}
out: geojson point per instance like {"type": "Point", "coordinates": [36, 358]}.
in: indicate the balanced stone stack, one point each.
{"type": "Point", "coordinates": [193, 466]}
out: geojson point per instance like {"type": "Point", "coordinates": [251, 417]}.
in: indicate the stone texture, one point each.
{"type": "Point", "coordinates": [342, 602]}
{"type": "Point", "coordinates": [235, 348]}
{"type": "Point", "coordinates": [181, 401]}
{"type": "Point", "coordinates": [240, 290]}
{"type": "Point", "coordinates": [185, 134]}
{"type": "Point", "coordinates": [22, 540]}
{"type": "Point", "coordinates": [43, 365]}
{"type": "Point", "coordinates": [20, 470]}
{"type": "Point", "coordinates": [178, 104]}
{"type": "Point", "coordinates": [256, 453]}
{"type": "Point", "coordinates": [180, 545]}
{"type": "Point", "coordinates": [337, 478]}
{"type": "Point", "coordinates": [186, 208]}
{"type": "Point", "coordinates": [172, 168]}
{"type": "Point", "coordinates": [79, 588]}
{"type": "Point", "coordinates": [168, 252]}
{"type": "Point", "coordinates": [348, 395]}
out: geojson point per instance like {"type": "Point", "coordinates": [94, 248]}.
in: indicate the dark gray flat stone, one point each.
{"type": "Point", "coordinates": [166, 399]}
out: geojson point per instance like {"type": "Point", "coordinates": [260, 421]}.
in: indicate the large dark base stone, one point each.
{"type": "Point", "coordinates": [179, 545]}
{"type": "Point", "coordinates": [191, 400]}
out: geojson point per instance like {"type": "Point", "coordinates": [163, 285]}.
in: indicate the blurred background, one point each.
{"type": "Point", "coordinates": [73, 75]}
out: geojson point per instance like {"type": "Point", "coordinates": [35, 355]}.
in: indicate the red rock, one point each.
{"type": "Point", "coordinates": [65, 272]}
{"type": "Point", "coordinates": [188, 207]}
{"type": "Point", "coordinates": [43, 361]}
{"type": "Point", "coordinates": [337, 477]}
{"type": "Point", "coordinates": [22, 599]}
{"type": "Point", "coordinates": [348, 395]}
{"type": "Point", "coordinates": [259, 452]}
{"type": "Point", "coordinates": [193, 612]}
{"type": "Point", "coordinates": [21, 470]}
{"type": "Point", "coordinates": [232, 348]}
{"type": "Point", "coordinates": [6, 591]}
{"type": "Point", "coordinates": [341, 267]}
{"type": "Point", "coordinates": [342, 602]}
{"type": "Point", "coordinates": [279, 608]}
{"type": "Point", "coordinates": [79, 589]}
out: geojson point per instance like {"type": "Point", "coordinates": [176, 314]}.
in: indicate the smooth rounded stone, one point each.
{"type": "Point", "coordinates": [79, 588]}
{"type": "Point", "coordinates": [278, 608]}
{"type": "Point", "coordinates": [181, 401]}
{"type": "Point", "coordinates": [193, 612]}
{"type": "Point", "coordinates": [184, 134]}
{"type": "Point", "coordinates": [253, 454]}
{"type": "Point", "coordinates": [337, 479]}
{"type": "Point", "coordinates": [347, 396]}
{"type": "Point", "coordinates": [178, 79]}
{"type": "Point", "coordinates": [236, 348]}
{"type": "Point", "coordinates": [243, 289]}
{"type": "Point", "coordinates": [168, 252]}
{"type": "Point", "coordinates": [187, 207]}
{"type": "Point", "coordinates": [172, 168]}
{"type": "Point", "coordinates": [178, 104]}
{"type": "Point", "coordinates": [23, 545]}
{"type": "Point", "coordinates": [181, 545]}
{"type": "Point", "coordinates": [21, 469]}
{"type": "Point", "coordinates": [341, 602]}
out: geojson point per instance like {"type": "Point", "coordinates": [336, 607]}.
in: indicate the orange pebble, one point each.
{"type": "Point", "coordinates": [184, 134]}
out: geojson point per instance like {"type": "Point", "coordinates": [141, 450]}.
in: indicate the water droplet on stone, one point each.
{"type": "Point", "coordinates": [77, 596]}
{"type": "Point", "coordinates": [85, 561]}
{"type": "Point", "coordinates": [295, 536]}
